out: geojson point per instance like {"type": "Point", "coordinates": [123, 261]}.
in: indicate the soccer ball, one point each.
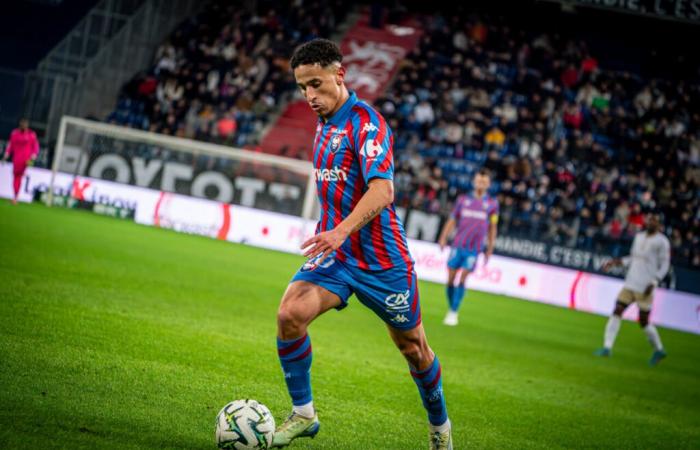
{"type": "Point", "coordinates": [244, 424]}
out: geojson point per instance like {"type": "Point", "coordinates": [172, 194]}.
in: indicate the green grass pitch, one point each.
{"type": "Point", "coordinates": [116, 335]}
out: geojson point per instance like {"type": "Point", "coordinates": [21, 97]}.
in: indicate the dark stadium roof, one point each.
{"type": "Point", "coordinates": [30, 28]}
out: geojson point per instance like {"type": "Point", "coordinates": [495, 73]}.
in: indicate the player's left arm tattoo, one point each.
{"type": "Point", "coordinates": [379, 196]}
{"type": "Point", "coordinates": [366, 218]}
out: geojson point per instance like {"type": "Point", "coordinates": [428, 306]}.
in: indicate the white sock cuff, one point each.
{"type": "Point", "coordinates": [611, 330]}
{"type": "Point", "coordinates": [306, 410]}
{"type": "Point", "coordinates": [653, 336]}
{"type": "Point", "coordinates": [441, 428]}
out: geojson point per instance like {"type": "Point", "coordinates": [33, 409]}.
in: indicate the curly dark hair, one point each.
{"type": "Point", "coordinates": [317, 51]}
{"type": "Point", "coordinates": [484, 172]}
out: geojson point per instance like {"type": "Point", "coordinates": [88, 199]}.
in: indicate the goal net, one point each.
{"type": "Point", "coordinates": [98, 151]}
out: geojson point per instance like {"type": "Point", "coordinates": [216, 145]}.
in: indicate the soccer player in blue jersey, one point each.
{"type": "Point", "coordinates": [476, 219]}
{"type": "Point", "coordinates": [359, 246]}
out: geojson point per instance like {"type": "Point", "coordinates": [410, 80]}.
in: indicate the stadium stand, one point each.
{"type": "Point", "coordinates": [221, 74]}
{"type": "Point", "coordinates": [579, 150]}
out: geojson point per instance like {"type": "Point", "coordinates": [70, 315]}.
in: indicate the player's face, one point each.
{"type": "Point", "coordinates": [653, 223]}
{"type": "Point", "coordinates": [481, 182]}
{"type": "Point", "coordinates": [322, 87]}
{"type": "Point", "coordinates": [23, 124]}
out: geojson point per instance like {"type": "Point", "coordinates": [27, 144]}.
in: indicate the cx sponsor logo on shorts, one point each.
{"type": "Point", "coordinates": [398, 302]}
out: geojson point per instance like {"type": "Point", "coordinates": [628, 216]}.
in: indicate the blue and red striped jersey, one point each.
{"type": "Point", "coordinates": [473, 216]}
{"type": "Point", "coordinates": [351, 148]}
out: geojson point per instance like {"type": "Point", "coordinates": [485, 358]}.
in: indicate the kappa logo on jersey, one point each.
{"type": "Point", "coordinates": [371, 149]}
{"type": "Point", "coordinates": [398, 301]}
{"type": "Point", "coordinates": [369, 126]}
{"type": "Point", "coordinates": [334, 174]}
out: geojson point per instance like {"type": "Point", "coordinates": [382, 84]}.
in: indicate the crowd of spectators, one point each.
{"type": "Point", "coordinates": [578, 153]}
{"type": "Point", "coordinates": [222, 72]}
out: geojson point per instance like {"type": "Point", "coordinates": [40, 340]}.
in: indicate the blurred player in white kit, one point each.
{"type": "Point", "coordinates": [647, 265]}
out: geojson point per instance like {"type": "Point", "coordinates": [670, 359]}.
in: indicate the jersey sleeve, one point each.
{"type": "Point", "coordinates": [664, 258]}
{"type": "Point", "coordinates": [374, 145]}
{"type": "Point", "coordinates": [35, 145]}
{"type": "Point", "coordinates": [493, 213]}
{"type": "Point", "coordinates": [8, 149]}
{"type": "Point", "coordinates": [628, 259]}
{"type": "Point", "coordinates": [457, 208]}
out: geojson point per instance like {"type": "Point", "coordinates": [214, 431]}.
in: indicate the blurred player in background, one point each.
{"type": "Point", "coordinates": [476, 219]}
{"type": "Point", "coordinates": [647, 264]}
{"type": "Point", "coordinates": [23, 147]}
{"type": "Point", "coordinates": [360, 247]}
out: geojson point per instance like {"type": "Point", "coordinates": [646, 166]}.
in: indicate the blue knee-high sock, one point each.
{"type": "Point", "coordinates": [458, 296]}
{"type": "Point", "coordinates": [295, 357]}
{"type": "Point", "coordinates": [450, 296]}
{"type": "Point", "coordinates": [429, 382]}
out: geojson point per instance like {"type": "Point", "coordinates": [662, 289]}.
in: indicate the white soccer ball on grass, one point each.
{"type": "Point", "coordinates": [244, 424]}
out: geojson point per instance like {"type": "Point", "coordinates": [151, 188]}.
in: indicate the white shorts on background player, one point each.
{"type": "Point", "coordinates": [648, 261]}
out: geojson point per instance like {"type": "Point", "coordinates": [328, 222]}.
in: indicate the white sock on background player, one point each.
{"type": "Point", "coordinates": [611, 329]}
{"type": "Point", "coordinates": [653, 336]}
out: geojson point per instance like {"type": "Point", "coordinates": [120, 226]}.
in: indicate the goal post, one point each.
{"type": "Point", "coordinates": [183, 166]}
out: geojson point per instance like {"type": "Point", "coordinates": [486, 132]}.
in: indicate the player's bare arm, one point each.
{"type": "Point", "coordinates": [446, 230]}
{"type": "Point", "coordinates": [611, 263]}
{"type": "Point", "coordinates": [379, 195]}
{"type": "Point", "coordinates": [490, 241]}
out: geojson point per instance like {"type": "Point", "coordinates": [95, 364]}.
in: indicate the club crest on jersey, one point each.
{"type": "Point", "coordinates": [371, 149]}
{"type": "Point", "coordinates": [335, 142]}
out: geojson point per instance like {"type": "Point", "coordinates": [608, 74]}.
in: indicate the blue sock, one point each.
{"type": "Point", "coordinates": [429, 382]}
{"type": "Point", "coordinates": [295, 357]}
{"type": "Point", "coordinates": [458, 297]}
{"type": "Point", "coordinates": [450, 296]}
